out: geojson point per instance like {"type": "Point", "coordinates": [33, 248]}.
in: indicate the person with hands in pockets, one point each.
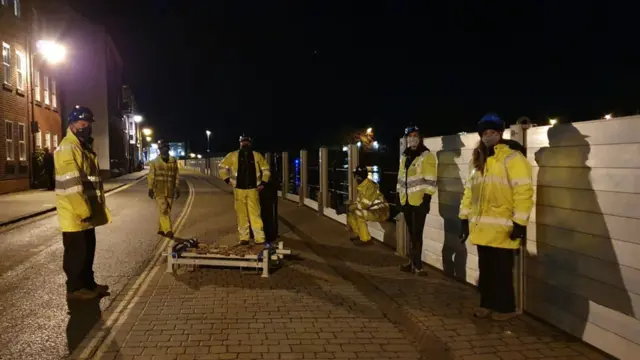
{"type": "Point", "coordinates": [81, 205]}
{"type": "Point", "coordinates": [417, 181]}
{"type": "Point", "coordinates": [164, 187]}
{"type": "Point", "coordinates": [495, 208]}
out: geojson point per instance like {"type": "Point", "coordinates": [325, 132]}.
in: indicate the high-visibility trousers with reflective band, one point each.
{"type": "Point", "coordinates": [357, 221]}
{"type": "Point", "coordinates": [164, 210]}
{"type": "Point", "coordinates": [247, 205]}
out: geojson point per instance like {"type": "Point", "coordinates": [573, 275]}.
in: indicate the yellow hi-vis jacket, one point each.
{"type": "Point", "coordinates": [229, 168]}
{"type": "Point", "coordinates": [80, 197]}
{"type": "Point", "coordinates": [497, 198]}
{"type": "Point", "coordinates": [370, 203]}
{"type": "Point", "coordinates": [163, 177]}
{"type": "Point", "coordinates": [421, 178]}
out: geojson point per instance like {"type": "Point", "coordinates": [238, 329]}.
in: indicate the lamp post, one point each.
{"type": "Point", "coordinates": [147, 133]}
{"type": "Point", "coordinates": [138, 119]}
{"type": "Point", "coordinates": [53, 53]}
{"type": "Point", "coordinates": [208, 135]}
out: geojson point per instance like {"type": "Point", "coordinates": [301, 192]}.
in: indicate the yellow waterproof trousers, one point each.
{"type": "Point", "coordinates": [357, 222]}
{"type": "Point", "coordinates": [164, 210]}
{"type": "Point", "coordinates": [247, 205]}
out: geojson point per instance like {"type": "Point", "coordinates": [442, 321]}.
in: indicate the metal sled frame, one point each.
{"type": "Point", "coordinates": [264, 262]}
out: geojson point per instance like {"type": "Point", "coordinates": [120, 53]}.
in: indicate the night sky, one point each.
{"type": "Point", "coordinates": [301, 73]}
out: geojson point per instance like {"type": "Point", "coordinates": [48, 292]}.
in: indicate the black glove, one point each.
{"type": "Point", "coordinates": [176, 193]}
{"type": "Point", "coordinates": [227, 180]}
{"type": "Point", "coordinates": [426, 202]}
{"type": "Point", "coordinates": [464, 231]}
{"type": "Point", "coordinates": [151, 194]}
{"type": "Point", "coordinates": [518, 232]}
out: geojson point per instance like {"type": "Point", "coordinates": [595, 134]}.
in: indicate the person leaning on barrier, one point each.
{"type": "Point", "coordinates": [495, 208]}
{"type": "Point", "coordinates": [248, 172]}
{"type": "Point", "coordinates": [370, 205]}
{"type": "Point", "coordinates": [417, 180]}
{"type": "Point", "coordinates": [81, 205]}
{"type": "Point", "coordinates": [164, 187]}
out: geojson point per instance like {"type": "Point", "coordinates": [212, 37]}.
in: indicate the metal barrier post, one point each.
{"type": "Point", "coordinates": [303, 192]}
{"type": "Point", "coordinates": [353, 152]}
{"type": "Point", "coordinates": [285, 174]}
{"type": "Point", "coordinates": [323, 196]}
{"type": "Point", "coordinates": [518, 133]}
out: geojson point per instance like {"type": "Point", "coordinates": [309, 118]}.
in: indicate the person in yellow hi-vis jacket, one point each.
{"type": "Point", "coordinates": [164, 187]}
{"type": "Point", "coordinates": [417, 181]}
{"type": "Point", "coordinates": [494, 212]}
{"type": "Point", "coordinates": [81, 205]}
{"type": "Point", "coordinates": [370, 205]}
{"type": "Point", "coordinates": [248, 172]}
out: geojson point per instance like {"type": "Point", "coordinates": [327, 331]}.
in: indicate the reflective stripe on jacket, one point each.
{"type": "Point", "coordinates": [420, 179]}
{"type": "Point", "coordinates": [497, 198]}
{"type": "Point", "coordinates": [163, 177]}
{"type": "Point", "coordinates": [229, 168]}
{"type": "Point", "coordinates": [79, 188]}
{"type": "Point", "coordinates": [369, 199]}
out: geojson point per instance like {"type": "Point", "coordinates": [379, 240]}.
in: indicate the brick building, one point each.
{"type": "Point", "coordinates": [14, 105]}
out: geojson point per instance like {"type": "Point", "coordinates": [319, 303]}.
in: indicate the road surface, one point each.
{"type": "Point", "coordinates": [36, 322]}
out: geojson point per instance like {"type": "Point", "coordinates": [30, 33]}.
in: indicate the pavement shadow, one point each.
{"type": "Point", "coordinates": [454, 254]}
{"type": "Point", "coordinates": [83, 316]}
{"type": "Point", "coordinates": [557, 269]}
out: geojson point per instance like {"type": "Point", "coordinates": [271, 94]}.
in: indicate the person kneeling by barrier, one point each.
{"type": "Point", "coordinates": [370, 205]}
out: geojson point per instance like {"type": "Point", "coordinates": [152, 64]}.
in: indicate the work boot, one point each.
{"type": "Point", "coordinates": [82, 294]}
{"type": "Point", "coordinates": [503, 316]}
{"type": "Point", "coordinates": [363, 243]}
{"type": "Point", "coordinates": [243, 242]}
{"type": "Point", "coordinates": [482, 312]}
{"type": "Point", "coordinates": [160, 232]}
{"type": "Point", "coordinates": [102, 290]}
{"type": "Point", "coordinates": [354, 238]}
{"type": "Point", "coordinates": [408, 267]}
{"type": "Point", "coordinates": [420, 272]}
{"type": "Point", "coordinates": [169, 234]}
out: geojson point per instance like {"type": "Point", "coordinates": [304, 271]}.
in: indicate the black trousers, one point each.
{"type": "Point", "coordinates": [79, 253]}
{"type": "Point", "coordinates": [415, 216]}
{"type": "Point", "coordinates": [497, 292]}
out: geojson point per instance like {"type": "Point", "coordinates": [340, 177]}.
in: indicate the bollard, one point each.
{"type": "Point", "coordinates": [323, 196]}
{"type": "Point", "coordinates": [353, 152]}
{"type": "Point", "coordinates": [302, 193]}
{"type": "Point", "coordinates": [285, 174]}
{"type": "Point", "coordinates": [402, 235]}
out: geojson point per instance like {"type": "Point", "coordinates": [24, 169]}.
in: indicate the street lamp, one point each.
{"type": "Point", "coordinates": [608, 117]}
{"type": "Point", "coordinates": [147, 131]}
{"type": "Point", "coordinates": [148, 139]}
{"type": "Point", "coordinates": [52, 51]}
{"type": "Point", "coordinates": [553, 121]}
{"type": "Point", "coordinates": [137, 118]}
{"type": "Point", "coordinates": [208, 135]}
{"type": "Point", "coordinates": [199, 156]}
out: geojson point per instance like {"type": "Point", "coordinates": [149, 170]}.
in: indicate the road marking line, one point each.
{"type": "Point", "coordinates": [111, 325]}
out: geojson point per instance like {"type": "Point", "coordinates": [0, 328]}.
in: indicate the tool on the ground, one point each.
{"type": "Point", "coordinates": [181, 247]}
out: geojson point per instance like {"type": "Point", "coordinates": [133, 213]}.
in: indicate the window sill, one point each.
{"type": "Point", "coordinates": [7, 86]}
{"type": "Point", "coordinates": [39, 103]}
{"type": "Point", "coordinates": [20, 92]}
{"type": "Point", "coordinates": [55, 109]}
{"type": "Point", "coordinates": [47, 106]}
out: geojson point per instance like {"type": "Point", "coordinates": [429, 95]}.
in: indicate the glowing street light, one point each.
{"type": "Point", "coordinates": [345, 148]}
{"type": "Point", "coordinates": [376, 145]}
{"type": "Point", "coordinates": [137, 118]}
{"type": "Point", "coordinates": [208, 135]}
{"type": "Point", "coordinates": [148, 138]}
{"type": "Point", "coordinates": [608, 116]}
{"type": "Point", "coordinates": [359, 143]}
{"type": "Point", "coordinates": [147, 131]}
{"type": "Point", "coordinates": [52, 51]}
{"type": "Point", "coordinates": [192, 155]}
{"type": "Point", "coordinates": [553, 121]}
{"type": "Point", "coordinates": [199, 156]}
{"type": "Point", "coordinates": [369, 131]}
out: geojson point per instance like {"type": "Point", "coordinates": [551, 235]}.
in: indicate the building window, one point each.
{"type": "Point", "coordinates": [47, 100]}
{"type": "Point", "coordinates": [21, 70]}
{"type": "Point", "coordinates": [55, 141]}
{"type": "Point", "coordinates": [22, 141]}
{"type": "Point", "coordinates": [39, 140]}
{"type": "Point", "coordinates": [47, 140]}
{"type": "Point", "coordinates": [36, 86]}
{"type": "Point", "coordinates": [54, 97]}
{"type": "Point", "coordinates": [6, 62]}
{"type": "Point", "coordinates": [8, 132]}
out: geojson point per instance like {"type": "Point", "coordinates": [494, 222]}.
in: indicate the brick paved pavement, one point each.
{"type": "Point", "coordinates": [332, 301]}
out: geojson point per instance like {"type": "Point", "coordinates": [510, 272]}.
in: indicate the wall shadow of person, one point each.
{"type": "Point", "coordinates": [454, 254]}
{"type": "Point", "coordinates": [562, 252]}
{"type": "Point", "coordinates": [83, 316]}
